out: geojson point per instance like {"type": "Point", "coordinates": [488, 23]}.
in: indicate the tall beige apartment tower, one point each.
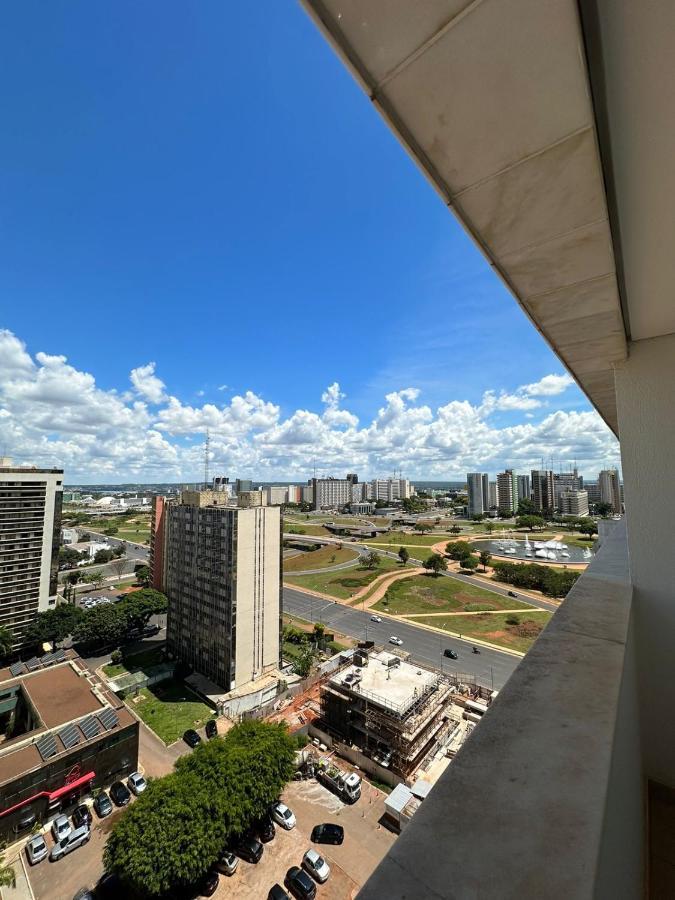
{"type": "Point", "coordinates": [30, 530]}
{"type": "Point", "coordinates": [221, 572]}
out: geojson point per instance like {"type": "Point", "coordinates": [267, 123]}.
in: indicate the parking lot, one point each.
{"type": "Point", "coordinates": [366, 842]}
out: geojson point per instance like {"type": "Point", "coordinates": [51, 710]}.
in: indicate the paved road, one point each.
{"type": "Point", "coordinates": [490, 666]}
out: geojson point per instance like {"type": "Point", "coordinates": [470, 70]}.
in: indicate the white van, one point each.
{"type": "Point", "coordinates": [75, 839]}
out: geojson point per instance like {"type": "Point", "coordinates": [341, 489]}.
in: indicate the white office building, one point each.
{"type": "Point", "coordinates": [574, 503]}
{"type": "Point", "coordinates": [478, 490]}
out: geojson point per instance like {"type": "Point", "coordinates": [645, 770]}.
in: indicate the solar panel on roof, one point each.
{"type": "Point", "coordinates": [109, 718]}
{"type": "Point", "coordinates": [17, 669]}
{"type": "Point", "coordinates": [47, 659]}
{"type": "Point", "coordinates": [70, 736]}
{"type": "Point", "coordinates": [33, 664]}
{"type": "Point", "coordinates": [47, 746]}
{"type": "Point", "coordinates": [59, 656]}
{"type": "Point", "coordinates": [90, 727]}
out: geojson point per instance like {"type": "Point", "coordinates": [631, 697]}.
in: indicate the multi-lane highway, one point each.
{"type": "Point", "coordinates": [490, 666]}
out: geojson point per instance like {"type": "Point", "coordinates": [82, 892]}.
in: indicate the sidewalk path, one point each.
{"type": "Point", "coordinates": [379, 587]}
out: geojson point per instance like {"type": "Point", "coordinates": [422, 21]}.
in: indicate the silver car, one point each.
{"type": "Point", "coordinates": [137, 784]}
{"type": "Point", "coordinates": [36, 849]}
{"type": "Point", "coordinates": [61, 828]}
{"type": "Point", "coordinates": [75, 839]}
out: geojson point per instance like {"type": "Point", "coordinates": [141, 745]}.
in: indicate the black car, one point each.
{"type": "Point", "coordinates": [209, 884]}
{"type": "Point", "coordinates": [102, 805]}
{"type": "Point", "coordinates": [450, 653]}
{"type": "Point", "coordinates": [249, 849]}
{"type": "Point", "coordinates": [300, 884]}
{"type": "Point", "coordinates": [211, 729]}
{"type": "Point", "coordinates": [512, 593]}
{"type": "Point", "coordinates": [277, 893]}
{"type": "Point", "coordinates": [328, 834]}
{"type": "Point", "coordinates": [120, 793]}
{"type": "Point", "coordinates": [191, 738]}
{"type": "Point", "coordinates": [264, 828]}
{"type": "Point", "coordinates": [82, 816]}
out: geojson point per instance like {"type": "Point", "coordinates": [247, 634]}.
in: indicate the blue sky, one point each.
{"type": "Point", "coordinates": [204, 186]}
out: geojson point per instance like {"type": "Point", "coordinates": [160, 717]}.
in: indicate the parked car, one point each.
{"type": "Point", "coordinates": [449, 653]}
{"type": "Point", "coordinates": [316, 865]}
{"type": "Point", "coordinates": [250, 849]}
{"type": "Point", "coordinates": [395, 640]}
{"type": "Point", "coordinates": [282, 815]}
{"type": "Point", "coordinates": [110, 887]}
{"type": "Point", "coordinates": [209, 884]}
{"type": "Point", "coordinates": [512, 593]}
{"type": "Point", "coordinates": [75, 839]}
{"type": "Point", "coordinates": [61, 828]}
{"type": "Point", "coordinates": [119, 793]}
{"type": "Point", "coordinates": [102, 805]}
{"type": "Point", "coordinates": [36, 849]}
{"type": "Point", "coordinates": [227, 863]}
{"type": "Point", "coordinates": [277, 893]}
{"type": "Point", "coordinates": [84, 894]}
{"type": "Point", "coordinates": [375, 619]}
{"type": "Point", "coordinates": [82, 816]}
{"type": "Point", "coordinates": [300, 884]}
{"type": "Point", "coordinates": [211, 729]}
{"type": "Point", "coordinates": [137, 784]}
{"type": "Point", "coordinates": [191, 738]}
{"type": "Point", "coordinates": [328, 834]}
{"type": "Point", "coordinates": [264, 828]}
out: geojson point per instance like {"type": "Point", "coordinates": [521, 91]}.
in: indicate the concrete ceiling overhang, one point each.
{"type": "Point", "coordinates": [491, 98]}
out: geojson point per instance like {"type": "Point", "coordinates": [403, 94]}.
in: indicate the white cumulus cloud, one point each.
{"type": "Point", "coordinates": [147, 383]}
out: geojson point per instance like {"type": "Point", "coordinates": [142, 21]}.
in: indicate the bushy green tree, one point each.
{"type": "Point", "coordinates": [177, 828]}
{"type": "Point", "coordinates": [54, 625]}
{"type": "Point", "coordinates": [104, 624]}
{"type": "Point", "coordinates": [458, 550]}
{"type": "Point", "coordinates": [436, 564]}
{"type": "Point", "coordinates": [403, 555]}
{"type": "Point", "coordinates": [530, 522]}
{"type": "Point", "coordinates": [550, 581]}
{"type": "Point", "coordinates": [139, 606]}
{"type": "Point", "coordinates": [6, 641]}
{"type": "Point", "coordinates": [371, 560]}
{"type": "Point", "coordinates": [469, 562]}
{"type": "Point", "coordinates": [485, 558]}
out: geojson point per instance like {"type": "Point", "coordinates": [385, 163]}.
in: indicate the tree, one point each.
{"type": "Point", "coordinates": [403, 555]}
{"type": "Point", "coordinates": [139, 606]}
{"type": "Point", "coordinates": [458, 550]}
{"type": "Point", "coordinates": [85, 537]}
{"type": "Point", "coordinates": [319, 634]}
{"type": "Point", "coordinates": [68, 557]}
{"type": "Point", "coordinates": [110, 529]}
{"type": "Point", "coordinates": [455, 529]}
{"type": "Point", "coordinates": [436, 564]}
{"type": "Point", "coordinates": [105, 624]}
{"type": "Point", "coordinates": [118, 566]}
{"type": "Point", "coordinates": [142, 574]}
{"type": "Point", "coordinates": [469, 562]}
{"type": "Point", "coordinates": [604, 509]}
{"type": "Point", "coordinates": [527, 507]}
{"type": "Point", "coordinates": [485, 558]}
{"type": "Point", "coordinates": [6, 641]}
{"type": "Point", "coordinates": [54, 625]}
{"type": "Point", "coordinates": [589, 528]}
{"type": "Point", "coordinates": [103, 556]}
{"type": "Point", "coordinates": [119, 551]}
{"type": "Point", "coordinates": [95, 578]}
{"type": "Point", "coordinates": [302, 663]}
{"type": "Point", "coordinates": [530, 522]}
{"type": "Point", "coordinates": [478, 517]}
{"type": "Point", "coordinates": [422, 526]}
{"type": "Point", "coordinates": [489, 527]}
{"type": "Point", "coordinates": [371, 560]}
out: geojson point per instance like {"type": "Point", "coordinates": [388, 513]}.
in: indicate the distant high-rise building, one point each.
{"type": "Point", "coordinates": [610, 488]}
{"type": "Point", "coordinates": [523, 487]}
{"type": "Point", "coordinates": [30, 532]}
{"type": "Point", "coordinates": [332, 493]}
{"type": "Point", "coordinates": [542, 490]}
{"type": "Point", "coordinates": [566, 481]}
{"type": "Point", "coordinates": [478, 489]}
{"type": "Point", "coordinates": [574, 503]}
{"type": "Point", "coordinates": [507, 489]}
{"type": "Point", "coordinates": [221, 573]}
{"type": "Point", "coordinates": [592, 488]}
{"type": "Point", "coordinates": [493, 495]}
{"type": "Point", "coordinates": [276, 495]}
{"type": "Point", "coordinates": [388, 489]}
{"type": "Point", "coordinates": [243, 484]}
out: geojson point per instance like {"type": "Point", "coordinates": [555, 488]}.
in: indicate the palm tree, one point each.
{"type": "Point", "coordinates": [6, 641]}
{"type": "Point", "coordinates": [7, 873]}
{"type": "Point", "coordinates": [485, 558]}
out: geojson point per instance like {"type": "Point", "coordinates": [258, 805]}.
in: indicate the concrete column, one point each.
{"type": "Point", "coordinates": [645, 386]}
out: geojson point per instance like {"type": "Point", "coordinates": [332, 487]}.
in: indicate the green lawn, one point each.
{"type": "Point", "coordinates": [301, 528]}
{"type": "Point", "coordinates": [493, 628]}
{"type": "Point", "coordinates": [170, 708]}
{"type": "Point", "coordinates": [320, 559]}
{"type": "Point", "coordinates": [424, 593]}
{"type": "Point", "coordinates": [342, 584]}
{"type": "Point", "coordinates": [135, 661]}
{"type": "Point", "coordinates": [401, 538]}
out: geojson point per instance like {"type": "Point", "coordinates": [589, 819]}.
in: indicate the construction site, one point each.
{"type": "Point", "coordinates": [402, 717]}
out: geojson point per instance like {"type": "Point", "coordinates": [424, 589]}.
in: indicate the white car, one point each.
{"type": "Point", "coordinates": [316, 865]}
{"type": "Point", "coordinates": [36, 849]}
{"type": "Point", "coordinates": [395, 640]}
{"type": "Point", "coordinates": [137, 784]}
{"type": "Point", "coordinates": [282, 815]}
{"type": "Point", "coordinates": [375, 619]}
{"type": "Point", "coordinates": [61, 828]}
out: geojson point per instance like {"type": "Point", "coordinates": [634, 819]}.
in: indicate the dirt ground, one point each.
{"type": "Point", "coordinates": [365, 844]}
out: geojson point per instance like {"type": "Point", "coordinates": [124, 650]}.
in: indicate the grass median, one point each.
{"type": "Point", "coordinates": [323, 558]}
{"type": "Point", "coordinates": [514, 631]}
{"type": "Point", "coordinates": [344, 583]}
{"type": "Point", "coordinates": [425, 593]}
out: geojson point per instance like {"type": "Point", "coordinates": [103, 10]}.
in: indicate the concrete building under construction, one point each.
{"type": "Point", "coordinates": [390, 710]}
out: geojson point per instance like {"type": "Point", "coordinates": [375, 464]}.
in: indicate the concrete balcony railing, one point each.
{"type": "Point", "coordinates": [546, 798]}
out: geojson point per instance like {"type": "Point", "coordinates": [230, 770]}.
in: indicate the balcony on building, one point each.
{"type": "Point", "coordinates": [547, 128]}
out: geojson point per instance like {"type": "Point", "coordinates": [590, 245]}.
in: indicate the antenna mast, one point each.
{"type": "Point", "coordinates": [207, 448]}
